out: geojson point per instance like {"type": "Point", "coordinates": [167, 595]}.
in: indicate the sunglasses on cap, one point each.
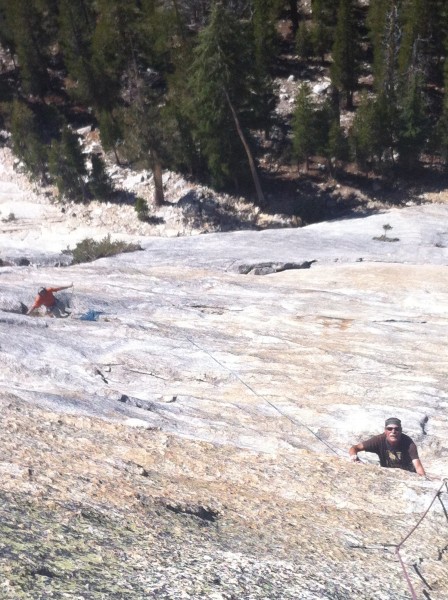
{"type": "Point", "coordinates": [393, 428]}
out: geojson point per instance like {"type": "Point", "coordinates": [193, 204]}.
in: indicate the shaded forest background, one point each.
{"type": "Point", "coordinates": [192, 86]}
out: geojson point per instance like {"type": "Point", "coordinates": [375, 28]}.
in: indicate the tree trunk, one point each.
{"type": "Point", "coordinates": [117, 158]}
{"type": "Point", "coordinates": [156, 167]}
{"type": "Point", "coordinates": [349, 100]}
{"type": "Point", "coordinates": [294, 13]}
{"type": "Point", "coordinates": [253, 169]}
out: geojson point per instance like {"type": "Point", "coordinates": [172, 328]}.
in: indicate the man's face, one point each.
{"type": "Point", "coordinates": [393, 433]}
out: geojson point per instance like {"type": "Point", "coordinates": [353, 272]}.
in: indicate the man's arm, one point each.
{"type": "Point", "coordinates": [419, 467]}
{"type": "Point", "coordinates": [59, 289]}
{"type": "Point", "coordinates": [353, 451]}
{"type": "Point", "coordinates": [35, 305]}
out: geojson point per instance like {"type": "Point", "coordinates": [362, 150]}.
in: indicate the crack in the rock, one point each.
{"type": "Point", "coordinates": [267, 268]}
{"type": "Point", "coordinates": [417, 570]}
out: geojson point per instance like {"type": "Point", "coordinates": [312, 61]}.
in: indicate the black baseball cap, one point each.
{"type": "Point", "coordinates": [393, 421]}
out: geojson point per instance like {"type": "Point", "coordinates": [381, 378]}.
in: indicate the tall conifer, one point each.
{"type": "Point", "coordinates": [344, 70]}
{"type": "Point", "coordinates": [304, 135]}
{"type": "Point", "coordinates": [77, 24]}
{"type": "Point", "coordinates": [30, 42]}
{"type": "Point", "coordinates": [222, 80]}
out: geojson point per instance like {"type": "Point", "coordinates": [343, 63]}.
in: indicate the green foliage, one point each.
{"type": "Point", "coordinates": [110, 131]}
{"type": "Point", "coordinates": [321, 38]}
{"type": "Point", "coordinates": [414, 31]}
{"type": "Point", "coordinates": [324, 18]}
{"type": "Point", "coordinates": [323, 118]}
{"type": "Point", "coordinates": [223, 73]}
{"type": "Point", "coordinates": [381, 35]}
{"type": "Point", "coordinates": [26, 141]}
{"type": "Point", "coordinates": [76, 25]}
{"type": "Point", "coordinates": [89, 249]}
{"type": "Point", "coordinates": [316, 129]}
{"type": "Point", "coordinates": [344, 70]}
{"type": "Point", "coordinates": [162, 78]}
{"type": "Point", "coordinates": [264, 15]}
{"type": "Point", "coordinates": [304, 141]}
{"type": "Point", "coordinates": [338, 146]}
{"type": "Point", "coordinates": [66, 166]}
{"type": "Point", "coordinates": [364, 137]}
{"type": "Point", "coordinates": [100, 184]}
{"type": "Point", "coordinates": [144, 135]}
{"type": "Point", "coordinates": [413, 126]}
{"type": "Point", "coordinates": [304, 41]}
{"type": "Point", "coordinates": [29, 39]}
{"type": "Point", "coordinates": [325, 11]}
{"type": "Point", "coordinates": [141, 208]}
{"type": "Point", "coordinates": [440, 137]}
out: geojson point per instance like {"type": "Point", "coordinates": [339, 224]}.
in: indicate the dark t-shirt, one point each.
{"type": "Point", "coordinates": [397, 457]}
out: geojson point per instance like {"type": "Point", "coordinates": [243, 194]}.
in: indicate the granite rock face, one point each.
{"type": "Point", "coordinates": [191, 440]}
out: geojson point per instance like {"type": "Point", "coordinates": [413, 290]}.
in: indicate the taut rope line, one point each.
{"type": "Point", "coordinates": [286, 416]}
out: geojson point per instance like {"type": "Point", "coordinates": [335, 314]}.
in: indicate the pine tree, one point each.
{"type": "Point", "coordinates": [414, 30]}
{"type": "Point", "coordinates": [26, 140]}
{"type": "Point", "coordinates": [222, 79]}
{"type": "Point", "coordinates": [77, 23]}
{"type": "Point", "coordinates": [130, 51]}
{"type": "Point", "coordinates": [110, 132]}
{"type": "Point", "coordinates": [30, 43]}
{"type": "Point", "coordinates": [303, 125]}
{"type": "Point", "coordinates": [344, 70]}
{"type": "Point", "coordinates": [304, 43]}
{"type": "Point", "coordinates": [6, 32]}
{"type": "Point", "coordinates": [441, 130]}
{"type": "Point", "coordinates": [323, 21]}
{"type": "Point", "coordinates": [385, 32]}
{"type": "Point", "coordinates": [67, 167]}
{"type": "Point", "coordinates": [264, 17]}
{"type": "Point", "coordinates": [437, 35]}
{"type": "Point", "coordinates": [337, 148]}
{"type": "Point", "coordinates": [143, 135]}
{"type": "Point", "coordinates": [364, 136]}
{"type": "Point", "coordinates": [413, 128]}
{"type": "Point", "coordinates": [100, 184]}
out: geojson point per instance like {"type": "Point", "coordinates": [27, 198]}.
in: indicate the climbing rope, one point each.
{"type": "Point", "coordinates": [408, 535]}
{"type": "Point", "coordinates": [300, 424]}
{"type": "Point", "coordinates": [293, 420]}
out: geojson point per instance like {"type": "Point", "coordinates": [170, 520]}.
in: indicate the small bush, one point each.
{"type": "Point", "coordinates": [100, 184]}
{"type": "Point", "coordinates": [89, 249]}
{"type": "Point", "coordinates": [141, 208]}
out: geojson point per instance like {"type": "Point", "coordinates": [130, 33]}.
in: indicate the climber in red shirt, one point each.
{"type": "Point", "coordinates": [45, 297]}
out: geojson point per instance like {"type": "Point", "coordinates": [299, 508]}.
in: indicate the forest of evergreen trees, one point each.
{"type": "Point", "coordinates": [189, 85]}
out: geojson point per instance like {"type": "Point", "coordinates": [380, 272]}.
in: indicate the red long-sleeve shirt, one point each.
{"type": "Point", "coordinates": [46, 299]}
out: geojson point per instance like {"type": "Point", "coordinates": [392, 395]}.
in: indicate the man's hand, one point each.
{"type": "Point", "coordinates": [354, 458]}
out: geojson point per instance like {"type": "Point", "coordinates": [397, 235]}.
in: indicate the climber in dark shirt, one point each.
{"type": "Point", "coordinates": [395, 449]}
